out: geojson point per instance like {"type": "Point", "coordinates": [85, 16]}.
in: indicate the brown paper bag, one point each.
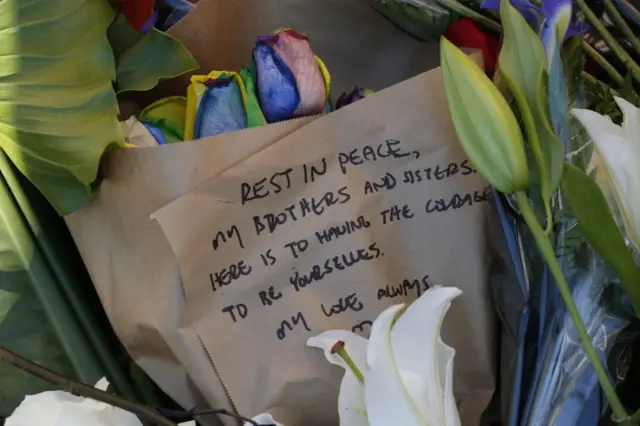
{"type": "Point", "coordinates": [358, 210]}
{"type": "Point", "coordinates": [132, 265]}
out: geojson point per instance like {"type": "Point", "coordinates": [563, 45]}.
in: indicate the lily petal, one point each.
{"type": "Point", "coordinates": [356, 347]}
{"type": "Point", "coordinates": [276, 85]}
{"type": "Point", "coordinates": [598, 126]}
{"type": "Point", "coordinates": [351, 405]}
{"type": "Point", "coordinates": [631, 122]}
{"type": "Point", "coordinates": [386, 397]}
{"type": "Point", "coordinates": [621, 159]}
{"type": "Point", "coordinates": [264, 419]}
{"type": "Point", "coordinates": [418, 350]}
{"type": "Point", "coordinates": [221, 110]}
{"type": "Point", "coordinates": [293, 48]}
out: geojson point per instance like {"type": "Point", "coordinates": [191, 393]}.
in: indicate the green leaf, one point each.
{"type": "Point", "coordinates": [144, 60]}
{"type": "Point", "coordinates": [521, 63]}
{"type": "Point", "coordinates": [33, 314]}
{"type": "Point", "coordinates": [58, 110]}
{"type": "Point", "coordinates": [590, 207]}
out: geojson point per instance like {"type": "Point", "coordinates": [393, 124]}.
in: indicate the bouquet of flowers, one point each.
{"type": "Point", "coordinates": [567, 179]}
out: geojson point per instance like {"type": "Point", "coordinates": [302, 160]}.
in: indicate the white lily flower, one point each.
{"type": "Point", "coordinates": [619, 148]}
{"type": "Point", "coordinates": [59, 408]}
{"type": "Point", "coordinates": [263, 419]}
{"type": "Point", "coordinates": [407, 371]}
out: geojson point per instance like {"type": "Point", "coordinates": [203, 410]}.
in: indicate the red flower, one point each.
{"type": "Point", "coordinates": [140, 14]}
{"type": "Point", "coordinates": [465, 33]}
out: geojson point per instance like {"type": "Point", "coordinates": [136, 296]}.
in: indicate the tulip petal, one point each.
{"type": "Point", "coordinates": [221, 110]}
{"type": "Point", "coordinates": [386, 395]}
{"type": "Point", "coordinates": [631, 122]}
{"type": "Point", "coordinates": [294, 50]}
{"type": "Point", "coordinates": [276, 85]}
{"type": "Point", "coordinates": [418, 349]}
{"type": "Point", "coordinates": [351, 398]}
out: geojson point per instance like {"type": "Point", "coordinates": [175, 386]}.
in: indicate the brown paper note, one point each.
{"type": "Point", "coordinates": [361, 209]}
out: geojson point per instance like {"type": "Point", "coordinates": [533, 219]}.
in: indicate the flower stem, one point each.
{"type": "Point", "coordinates": [604, 64]}
{"type": "Point", "coordinates": [460, 8]}
{"type": "Point", "coordinates": [544, 245]}
{"type": "Point", "coordinates": [622, 25]}
{"type": "Point", "coordinates": [613, 44]}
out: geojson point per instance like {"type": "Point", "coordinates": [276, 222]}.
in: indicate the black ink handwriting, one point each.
{"type": "Point", "coordinates": [458, 201]}
{"type": "Point", "coordinates": [336, 263]}
{"type": "Point", "coordinates": [227, 275]}
{"type": "Point", "coordinates": [388, 149]}
{"type": "Point", "coordinates": [289, 324]}
{"type": "Point", "coordinates": [349, 303]}
{"type": "Point", "coordinates": [334, 232]}
{"type": "Point", "coordinates": [275, 184]}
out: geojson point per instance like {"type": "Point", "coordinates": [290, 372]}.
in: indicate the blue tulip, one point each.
{"type": "Point", "coordinates": [221, 109]}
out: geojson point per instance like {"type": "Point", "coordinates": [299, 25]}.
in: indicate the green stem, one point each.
{"type": "Point", "coordinates": [462, 9]}
{"type": "Point", "coordinates": [604, 64]}
{"type": "Point", "coordinates": [339, 349]}
{"type": "Point", "coordinates": [622, 25]}
{"type": "Point", "coordinates": [591, 79]}
{"type": "Point", "coordinates": [544, 245]}
{"type": "Point", "coordinates": [613, 44]}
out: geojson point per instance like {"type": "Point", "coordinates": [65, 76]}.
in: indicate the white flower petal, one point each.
{"type": "Point", "coordinates": [386, 397]}
{"type": "Point", "coordinates": [356, 347]}
{"type": "Point", "coordinates": [417, 347]}
{"type": "Point", "coordinates": [103, 384]}
{"type": "Point", "coordinates": [446, 355]}
{"type": "Point", "coordinates": [631, 122]}
{"type": "Point", "coordinates": [263, 419]}
{"type": "Point", "coordinates": [40, 409]}
{"type": "Point", "coordinates": [598, 126]}
{"type": "Point", "coordinates": [351, 398]}
{"type": "Point", "coordinates": [83, 414]}
{"type": "Point", "coordinates": [351, 407]}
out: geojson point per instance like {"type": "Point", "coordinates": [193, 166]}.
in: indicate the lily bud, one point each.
{"type": "Point", "coordinates": [485, 124]}
{"type": "Point", "coordinates": [219, 103]}
{"type": "Point", "coordinates": [291, 81]}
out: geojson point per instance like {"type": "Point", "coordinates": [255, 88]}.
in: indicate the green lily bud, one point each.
{"type": "Point", "coordinates": [485, 124]}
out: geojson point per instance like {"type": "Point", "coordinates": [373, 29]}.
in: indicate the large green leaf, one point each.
{"type": "Point", "coordinates": [58, 109]}
{"type": "Point", "coordinates": [590, 207]}
{"type": "Point", "coordinates": [143, 60]}
{"type": "Point", "coordinates": [35, 320]}
{"type": "Point", "coordinates": [521, 63]}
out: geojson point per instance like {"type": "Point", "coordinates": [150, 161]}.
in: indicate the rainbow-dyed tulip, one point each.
{"type": "Point", "coordinates": [290, 80]}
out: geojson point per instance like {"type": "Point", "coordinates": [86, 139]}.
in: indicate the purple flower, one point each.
{"type": "Point", "coordinates": [552, 18]}
{"type": "Point", "coordinates": [352, 96]}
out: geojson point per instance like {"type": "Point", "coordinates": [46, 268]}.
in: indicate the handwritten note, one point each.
{"type": "Point", "coordinates": [353, 213]}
